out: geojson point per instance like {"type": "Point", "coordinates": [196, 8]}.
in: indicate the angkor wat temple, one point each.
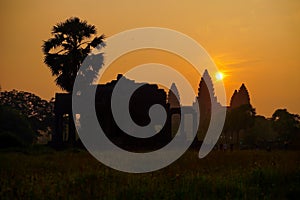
{"type": "Point", "coordinates": [140, 102]}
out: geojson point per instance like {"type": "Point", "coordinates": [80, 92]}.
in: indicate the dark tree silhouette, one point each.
{"type": "Point", "coordinates": [37, 111]}
{"type": "Point", "coordinates": [286, 124]}
{"type": "Point", "coordinates": [15, 129]}
{"type": "Point", "coordinates": [241, 118]}
{"type": "Point", "coordinates": [241, 114]}
{"type": "Point", "coordinates": [64, 53]}
{"type": "Point", "coordinates": [261, 131]}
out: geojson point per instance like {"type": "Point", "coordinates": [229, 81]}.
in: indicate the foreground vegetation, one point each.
{"type": "Point", "coordinates": [74, 174]}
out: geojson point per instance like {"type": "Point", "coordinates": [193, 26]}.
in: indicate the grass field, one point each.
{"type": "Point", "coordinates": [74, 174]}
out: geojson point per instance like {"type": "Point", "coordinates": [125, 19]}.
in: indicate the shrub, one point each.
{"type": "Point", "coordinates": [15, 130]}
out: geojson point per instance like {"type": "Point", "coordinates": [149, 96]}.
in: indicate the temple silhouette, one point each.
{"type": "Point", "coordinates": [142, 99]}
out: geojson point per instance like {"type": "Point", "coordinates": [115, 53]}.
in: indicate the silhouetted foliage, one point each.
{"type": "Point", "coordinates": [15, 129]}
{"type": "Point", "coordinates": [286, 124]}
{"type": "Point", "coordinates": [72, 41]}
{"type": "Point", "coordinates": [260, 131]}
{"type": "Point", "coordinates": [242, 117]}
{"type": "Point", "coordinates": [38, 112]}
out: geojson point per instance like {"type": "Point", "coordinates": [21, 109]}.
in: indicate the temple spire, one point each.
{"type": "Point", "coordinates": [173, 97]}
{"type": "Point", "coordinates": [240, 97]}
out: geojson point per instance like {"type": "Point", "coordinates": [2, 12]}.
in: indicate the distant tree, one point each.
{"type": "Point", "coordinates": [286, 124]}
{"type": "Point", "coordinates": [241, 118]}
{"type": "Point", "coordinates": [261, 130]}
{"type": "Point", "coordinates": [240, 114]}
{"type": "Point", "coordinates": [15, 129]}
{"type": "Point", "coordinates": [72, 41]}
{"type": "Point", "coordinates": [37, 111]}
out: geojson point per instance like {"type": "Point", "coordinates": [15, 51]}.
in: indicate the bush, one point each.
{"type": "Point", "coordinates": [15, 130]}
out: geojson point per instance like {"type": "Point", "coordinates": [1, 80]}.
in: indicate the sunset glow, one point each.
{"type": "Point", "coordinates": [239, 36]}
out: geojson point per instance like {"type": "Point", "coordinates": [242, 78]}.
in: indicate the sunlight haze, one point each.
{"type": "Point", "coordinates": [252, 42]}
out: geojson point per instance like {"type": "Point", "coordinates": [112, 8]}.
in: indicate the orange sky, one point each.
{"type": "Point", "coordinates": [253, 42]}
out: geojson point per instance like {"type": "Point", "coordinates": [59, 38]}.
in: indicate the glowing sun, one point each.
{"type": "Point", "coordinates": [219, 76]}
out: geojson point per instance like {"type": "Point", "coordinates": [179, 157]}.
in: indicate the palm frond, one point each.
{"type": "Point", "coordinates": [66, 50]}
{"type": "Point", "coordinates": [52, 43]}
{"type": "Point", "coordinates": [97, 41]}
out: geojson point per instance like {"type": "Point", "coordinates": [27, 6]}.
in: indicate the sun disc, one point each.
{"type": "Point", "coordinates": [219, 76]}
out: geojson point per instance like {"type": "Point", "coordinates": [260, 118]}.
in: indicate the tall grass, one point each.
{"type": "Point", "coordinates": [221, 175]}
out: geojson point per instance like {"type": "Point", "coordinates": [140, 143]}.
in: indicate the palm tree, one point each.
{"type": "Point", "coordinates": [71, 42]}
